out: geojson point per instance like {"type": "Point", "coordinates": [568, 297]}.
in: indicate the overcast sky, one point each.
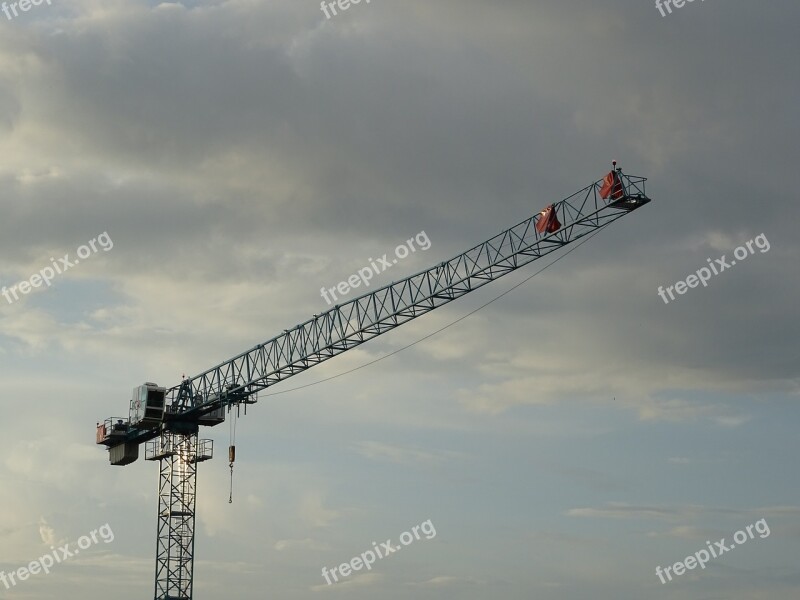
{"type": "Point", "coordinates": [239, 155]}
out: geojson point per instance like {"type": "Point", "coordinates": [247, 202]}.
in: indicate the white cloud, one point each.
{"type": "Point", "coordinates": [360, 580]}
{"type": "Point", "coordinates": [313, 511]}
{"type": "Point", "coordinates": [381, 451]}
{"type": "Point", "coordinates": [301, 545]}
{"type": "Point", "coordinates": [48, 533]}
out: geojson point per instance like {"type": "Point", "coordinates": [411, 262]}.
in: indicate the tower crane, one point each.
{"type": "Point", "coordinates": [168, 420]}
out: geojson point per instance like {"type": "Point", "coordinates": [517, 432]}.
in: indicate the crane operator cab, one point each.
{"type": "Point", "coordinates": [147, 405]}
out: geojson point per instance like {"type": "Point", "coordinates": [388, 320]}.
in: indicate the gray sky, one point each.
{"type": "Point", "coordinates": [240, 155]}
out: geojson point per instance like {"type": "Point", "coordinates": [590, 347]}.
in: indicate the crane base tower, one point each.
{"type": "Point", "coordinates": [178, 454]}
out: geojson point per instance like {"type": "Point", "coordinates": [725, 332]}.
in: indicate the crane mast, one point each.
{"type": "Point", "coordinates": [167, 421]}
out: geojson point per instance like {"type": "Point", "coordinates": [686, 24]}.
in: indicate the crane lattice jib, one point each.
{"type": "Point", "coordinates": [354, 322]}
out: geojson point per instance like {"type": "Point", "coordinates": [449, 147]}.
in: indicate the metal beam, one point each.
{"type": "Point", "coordinates": [354, 322]}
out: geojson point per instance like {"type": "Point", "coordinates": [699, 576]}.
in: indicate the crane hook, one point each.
{"type": "Point", "coordinates": [232, 459]}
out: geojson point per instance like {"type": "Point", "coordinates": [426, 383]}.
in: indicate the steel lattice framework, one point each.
{"type": "Point", "coordinates": [354, 322]}
{"type": "Point", "coordinates": [203, 399]}
{"type": "Point", "coordinates": [178, 455]}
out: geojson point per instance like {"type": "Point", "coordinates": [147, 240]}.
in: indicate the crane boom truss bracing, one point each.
{"type": "Point", "coordinates": [354, 322]}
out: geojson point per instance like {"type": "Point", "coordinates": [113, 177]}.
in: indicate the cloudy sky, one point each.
{"type": "Point", "coordinates": [239, 155]}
